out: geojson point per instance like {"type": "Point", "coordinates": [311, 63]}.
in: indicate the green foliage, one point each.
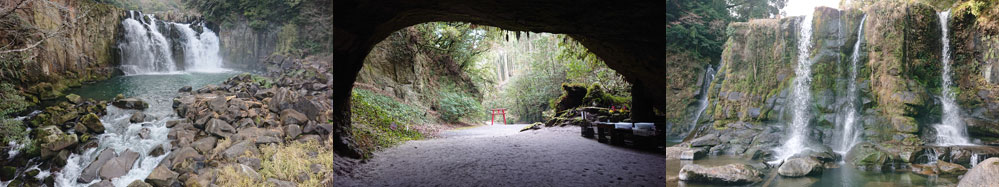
{"type": "Point", "coordinates": [264, 82]}
{"type": "Point", "coordinates": [697, 26]}
{"type": "Point", "coordinates": [12, 100]}
{"type": "Point", "coordinates": [380, 121]}
{"type": "Point", "coordinates": [455, 106]}
{"type": "Point", "coordinates": [148, 5]}
{"type": "Point", "coordinates": [749, 9]}
{"type": "Point", "coordinates": [462, 42]}
{"type": "Point", "coordinates": [260, 13]}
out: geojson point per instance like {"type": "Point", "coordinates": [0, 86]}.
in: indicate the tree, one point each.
{"type": "Point", "coordinates": [751, 9]}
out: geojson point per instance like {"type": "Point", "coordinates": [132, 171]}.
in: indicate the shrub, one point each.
{"type": "Point", "coordinates": [455, 106]}
{"type": "Point", "coordinates": [380, 121]}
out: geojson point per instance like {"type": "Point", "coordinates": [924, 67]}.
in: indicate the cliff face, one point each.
{"type": "Point", "coordinates": [975, 64]}
{"type": "Point", "coordinates": [81, 49]}
{"type": "Point", "coordinates": [244, 47]}
{"type": "Point", "coordinates": [898, 78]}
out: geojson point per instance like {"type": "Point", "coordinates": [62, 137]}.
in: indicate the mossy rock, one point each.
{"type": "Point", "coordinates": [867, 156]}
{"type": "Point", "coordinates": [75, 99]}
{"type": "Point", "coordinates": [92, 122]}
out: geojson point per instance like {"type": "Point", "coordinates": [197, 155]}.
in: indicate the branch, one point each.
{"type": "Point", "coordinates": [49, 34]}
{"type": "Point", "coordinates": [6, 13]}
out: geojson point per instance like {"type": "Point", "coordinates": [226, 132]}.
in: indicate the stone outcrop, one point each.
{"type": "Point", "coordinates": [983, 174]}
{"type": "Point", "coordinates": [732, 174]}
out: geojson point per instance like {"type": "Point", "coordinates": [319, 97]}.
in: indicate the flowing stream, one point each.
{"type": "Point", "coordinates": [153, 76]}
{"type": "Point", "coordinates": [951, 129]}
{"type": "Point", "coordinates": [850, 132]}
{"type": "Point", "coordinates": [801, 94]}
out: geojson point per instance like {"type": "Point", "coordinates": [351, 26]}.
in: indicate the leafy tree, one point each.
{"type": "Point", "coordinates": [260, 13]}
{"type": "Point", "coordinates": [749, 9]}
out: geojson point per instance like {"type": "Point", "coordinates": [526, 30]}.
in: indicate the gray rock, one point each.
{"type": "Point", "coordinates": [292, 131]}
{"type": "Point", "coordinates": [983, 174]}
{"type": "Point", "coordinates": [144, 133]}
{"type": "Point", "coordinates": [218, 104]}
{"type": "Point", "coordinates": [245, 122]}
{"type": "Point", "coordinates": [693, 154]}
{"type": "Point", "coordinates": [118, 166]}
{"type": "Point", "coordinates": [280, 183]}
{"type": "Point", "coordinates": [249, 172]}
{"type": "Point", "coordinates": [240, 149]}
{"type": "Point", "coordinates": [162, 177]}
{"type": "Point", "coordinates": [75, 99]}
{"type": "Point", "coordinates": [732, 174]}
{"type": "Point", "coordinates": [139, 183]}
{"type": "Point", "coordinates": [91, 172]}
{"type": "Point", "coordinates": [267, 140]}
{"type": "Point", "coordinates": [103, 183]}
{"type": "Point", "coordinates": [707, 140]}
{"type": "Point", "coordinates": [867, 156]}
{"type": "Point", "coordinates": [248, 161]}
{"type": "Point", "coordinates": [130, 103]}
{"type": "Point", "coordinates": [220, 128]}
{"type": "Point", "coordinates": [182, 160]}
{"type": "Point", "coordinates": [93, 123]}
{"type": "Point", "coordinates": [947, 168]}
{"type": "Point", "coordinates": [801, 166]}
{"type": "Point", "coordinates": [205, 144]}
{"type": "Point", "coordinates": [185, 89]}
{"type": "Point", "coordinates": [157, 151]}
{"type": "Point", "coordinates": [137, 116]}
{"type": "Point", "coordinates": [293, 117]}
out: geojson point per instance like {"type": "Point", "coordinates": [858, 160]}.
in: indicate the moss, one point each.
{"type": "Point", "coordinates": [380, 121]}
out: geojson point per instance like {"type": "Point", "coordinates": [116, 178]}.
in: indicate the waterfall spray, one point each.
{"type": "Point", "coordinates": [801, 94]}
{"type": "Point", "coordinates": [850, 132]}
{"type": "Point", "coordinates": [951, 130]}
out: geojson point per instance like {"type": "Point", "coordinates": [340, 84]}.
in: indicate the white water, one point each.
{"type": "Point", "coordinates": [951, 129]}
{"type": "Point", "coordinates": [120, 135]}
{"type": "Point", "coordinates": [709, 75]}
{"type": "Point", "coordinates": [850, 132]}
{"type": "Point", "coordinates": [974, 160]}
{"type": "Point", "coordinates": [801, 95]}
{"type": "Point", "coordinates": [145, 50]}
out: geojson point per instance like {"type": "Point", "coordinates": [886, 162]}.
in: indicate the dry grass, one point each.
{"type": "Point", "coordinates": [286, 162]}
{"type": "Point", "coordinates": [232, 176]}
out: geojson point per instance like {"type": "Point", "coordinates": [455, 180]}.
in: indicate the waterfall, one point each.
{"type": "Point", "coordinates": [709, 75]}
{"type": "Point", "coordinates": [974, 160]}
{"type": "Point", "coordinates": [801, 94]}
{"type": "Point", "coordinates": [951, 130]}
{"type": "Point", "coordinates": [850, 131]}
{"type": "Point", "coordinates": [146, 50]}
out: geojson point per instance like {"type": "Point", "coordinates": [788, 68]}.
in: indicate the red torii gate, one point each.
{"type": "Point", "coordinates": [493, 112]}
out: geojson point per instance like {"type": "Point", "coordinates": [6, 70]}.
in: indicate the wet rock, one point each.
{"type": "Point", "coordinates": [7, 173]}
{"type": "Point", "coordinates": [64, 141]}
{"type": "Point", "coordinates": [732, 174]}
{"type": "Point", "coordinates": [708, 140]}
{"type": "Point", "coordinates": [93, 123]}
{"type": "Point", "coordinates": [61, 158]}
{"type": "Point", "coordinates": [144, 133]}
{"type": "Point", "coordinates": [292, 131]}
{"type": "Point", "coordinates": [80, 128]}
{"type": "Point", "coordinates": [947, 168]}
{"type": "Point", "coordinates": [293, 117]}
{"type": "Point", "coordinates": [801, 166]}
{"type": "Point", "coordinates": [185, 89]}
{"type": "Point", "coordinates": [185, 160]}
{"type": "Point", "coordinates": [205, 144]}
{"type": "Point", "coordinates": [219, 128]}
{"type": "Point", "coordinates": [103, 183]}
{"type": "Point", "coordinates": [158, 151]}
{"type": "Point", "coordinates": [130, 103]}
{"type": "Point", "coordinates": [137, 117]}
{"type": "Point", "coordinates": [90, 173]}
{"type": "Point", "coordinates": [118, 166]}
{"type": "Point", "coordinates": [867, 156]}
{"type": "Point", "coordinates": [139, 183]}
{"type": "Point", "coordinates": [924, 169]}
{"type": "Point", "coordinates": [75, 99]}
{"type": "Point", "coordinates": [162, 177]}
{"type": "Point", "coordinates": [240, 149]}
{"type": "Point", "coordinates": [983, 174]}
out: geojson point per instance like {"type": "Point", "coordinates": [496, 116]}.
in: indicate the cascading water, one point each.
{"type": "Point", "coordinates": [145, 50]}
{"type": "Point", "coordinates": [709, 75]}
{"type": "Point", "coordinates": [801, 94]}
{"type": "Point", "coordinates": [951, 129]}
{"type": "Point", "coordinates": [850, 132]}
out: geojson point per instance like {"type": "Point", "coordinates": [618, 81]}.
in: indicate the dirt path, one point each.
{"type": "Point", "coordinates": [501, 156]}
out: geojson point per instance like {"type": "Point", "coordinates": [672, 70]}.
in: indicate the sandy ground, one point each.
{"type": "Point", "coordinates": [501, 156]}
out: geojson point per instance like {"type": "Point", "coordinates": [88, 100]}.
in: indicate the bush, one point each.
{"type": "Point", "coordinates": [455, 106]}
{"type": "Point", "coordinates": [380, 121]}
{"type": "Point", "coordinates": [10, 129]}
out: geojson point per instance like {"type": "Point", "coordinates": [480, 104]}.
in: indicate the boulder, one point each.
{"type": "Point", "coordinates": [144, 133]}
{"type": "Point", "coordinates": [242, 148]}
{"type": "Point", "coordinates": [867, 156]}
{"type": "Point", "coordinates": [283, 99]}
{"type": "Point", "coordinates": [7, 173]}
{"type": "Point", "coordinates": [292, 131]}
{"type": "Point", "coordinates": [732, 174]}
{"type": "Point", "coordinates": [91, 172]}
{"type": "Point", "coordinates": [75, 99]}
{"type": "Point", "coordinates": [801, 166]}
{"type": "Point", "coordinates": [103, 183]}
{"type": "Point", "coordinates": [947, 168]}
{"type": "Point", "coordinates": [252, 162]}
{"type": "Point", "coordinates": [137, 117]}
{"type": "Point", "coordinates": [118, 166]}
{"type": "Point", "coordinates": [267, 140]}
{"type": "Point", "coordinates": [139, 183]}
{"type": "Point", "coordinates": [293, 117]}
{"type": "Point", "coordinates": [162, 177]}
{"type": "Point", "coordinates": [249, 172]}
{"type": "Point", "coordinates": [184, 161]}
{"type": "Point", "coordinates": [219, 128]}
{"type": "Point", "coordinates": [708, 140]}
{"type": "Point", "coordinates": [93, 123]}
{"type": "Point", "coordinates": [130, 103]}
{"type": "Point", "coordinates": [185, 89]}
{"type": "Point", "coordinates": [983, 174]}
{"type": "Point", "coordinates": [280, 183]}
{"type": "Point", "coordinates": [158, 151]}
{"type": "Point", "coordinates": [64, 141]}
{"type": "Point", "coordinates": [205, 144]}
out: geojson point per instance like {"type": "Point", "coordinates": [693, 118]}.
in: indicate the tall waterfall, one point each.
{"type": "Point", "coordinates": [801, 94]}
{"type": "Point", "coordinates": [146, 50]}
{"type": "Point", "coordinates": [849, 131]}
{"type": "Point", "coordinates": [951, 130]}
{"type": "Point", "coordinates": [709, 75]}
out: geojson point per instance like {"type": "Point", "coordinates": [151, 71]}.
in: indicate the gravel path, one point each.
{"type": "Point", "coordinates": [501, 156]}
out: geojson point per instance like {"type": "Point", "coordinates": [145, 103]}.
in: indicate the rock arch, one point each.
{"type": "Point", "coordinates": [629, 35]}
